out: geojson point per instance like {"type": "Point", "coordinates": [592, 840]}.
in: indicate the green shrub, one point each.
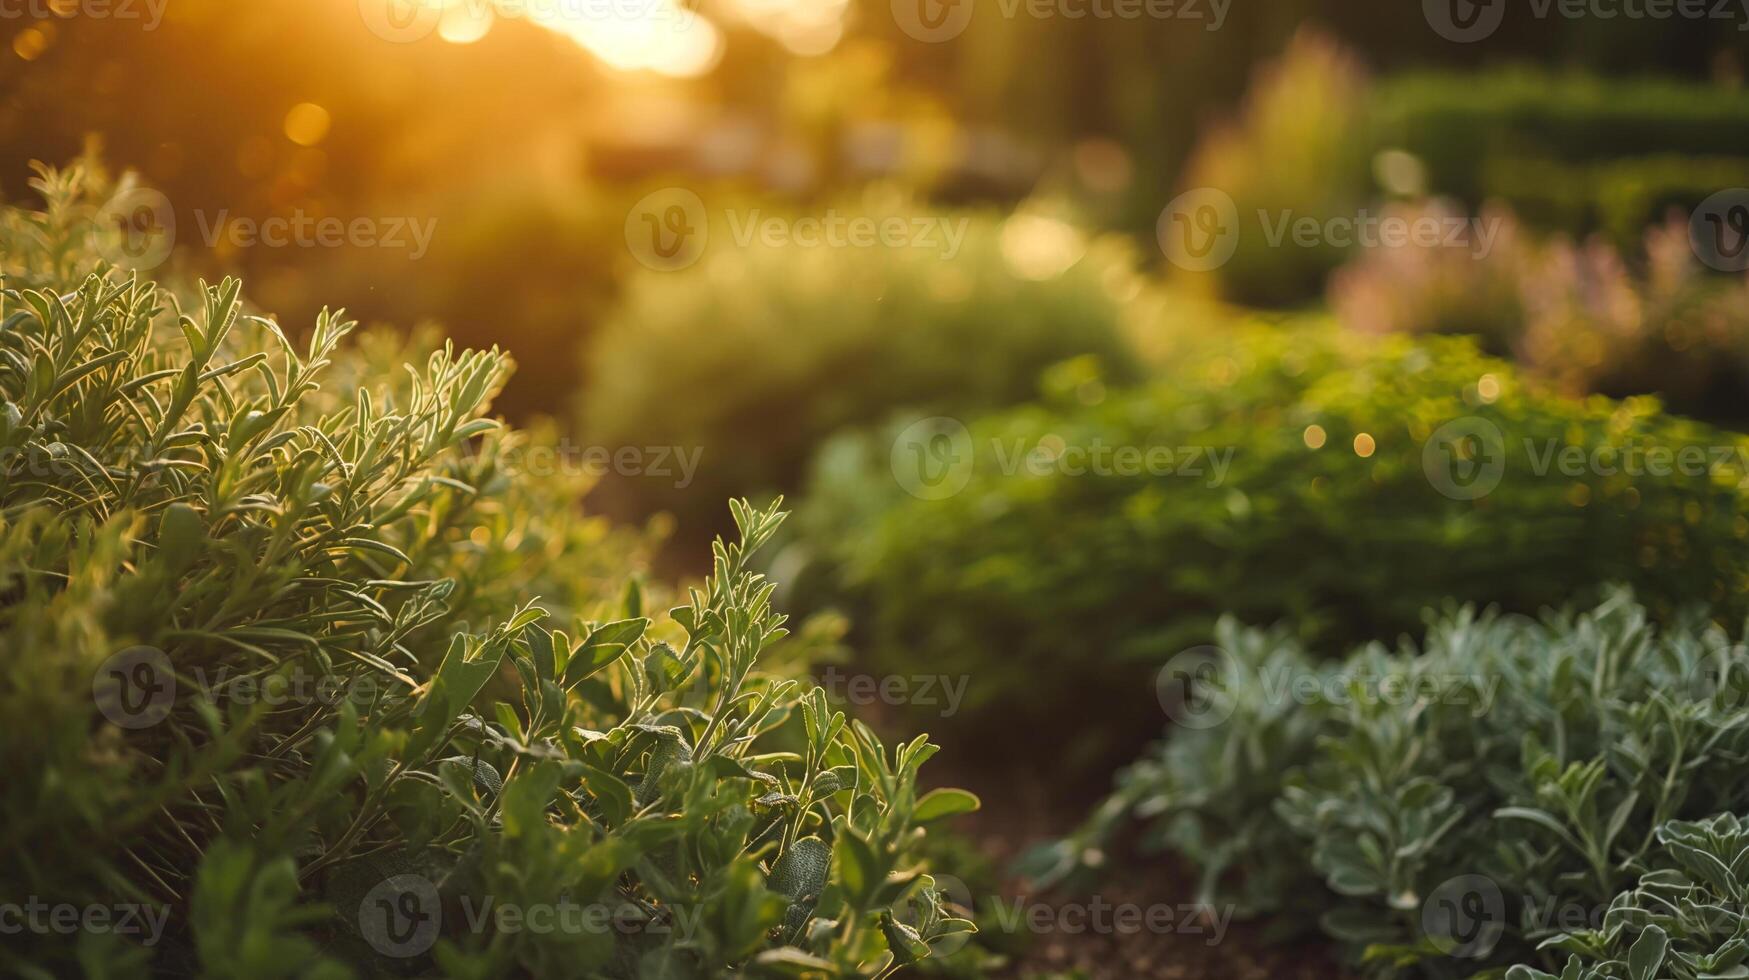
{"type": "Point", "coordinates": [1685, 920]}
{"type": "Point", "coordinates": [765, 351]}
{"type": "Point", "coordinates": [1446, 807]}
{"type": "Point", "coordinates": [271, 616]}
{"type": "Point", "coordinates": [1465, 126]}
{"type": "Point", "coordinates": [1314, 476]}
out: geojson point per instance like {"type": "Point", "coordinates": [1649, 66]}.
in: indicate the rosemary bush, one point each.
{"type": "Point", "coordinates": [316, 666]}
{"type": "Point", "coordinates": [1475, 800]}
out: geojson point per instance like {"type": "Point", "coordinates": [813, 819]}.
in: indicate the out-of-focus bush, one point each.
{"type": "Point", "coordinates": [1583, 316]}
{"type": "Point", "coordinates": [1341, 480]}
{"type": "Point", "coordinates": [1578, 151]}
{"type": "Point", "coordinates": [1296, 150]}
{"type": "Point", "coordinates": [751, 357]}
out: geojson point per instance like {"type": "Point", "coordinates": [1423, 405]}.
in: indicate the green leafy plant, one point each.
{"type": "Point", "coordinates": [1311, 478]}
{"type": "Point", "coordinates": [1685, 920]}
{"type": "Point", "coordinates": [322, 670]}
{"type": "Point", "coordinates": [1454, 805]}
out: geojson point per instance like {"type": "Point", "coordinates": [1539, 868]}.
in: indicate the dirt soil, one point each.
{"type": "Point", "coordinates": [1024, 807]}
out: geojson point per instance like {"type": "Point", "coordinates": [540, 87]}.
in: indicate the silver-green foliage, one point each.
{"type": "Point", "coordinates": [1543, 756]}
